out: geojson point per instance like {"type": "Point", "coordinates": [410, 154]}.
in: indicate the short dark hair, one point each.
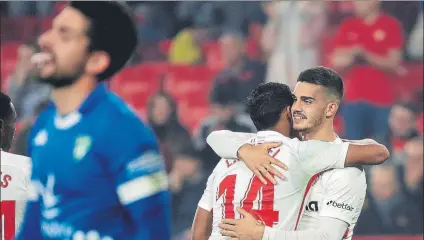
{"type": "Point", "coordinates": [325, 77]}
{"type": "Point", "coordinates": [112, 30]}
{"type": "Point", "coordinates": [5, 107]}
{"type": "Point", "coordinates": [266, 103]}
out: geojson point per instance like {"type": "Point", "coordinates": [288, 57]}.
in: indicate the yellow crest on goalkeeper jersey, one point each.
{"type": "Point", "coordinates": [82, 146]}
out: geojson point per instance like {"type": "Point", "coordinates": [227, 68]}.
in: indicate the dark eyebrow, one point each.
{"type": "Point", "coordinates": [305, 98]}
{"type": "Point", "coordinates": [64, 29]}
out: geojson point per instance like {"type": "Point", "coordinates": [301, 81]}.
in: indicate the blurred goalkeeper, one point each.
{"type": "Point", "coordinates": [97, 172]}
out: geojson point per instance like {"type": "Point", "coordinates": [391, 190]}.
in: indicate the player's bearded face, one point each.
{"type": "Point", "coordinates": [308, 110]}
{"type": "Point", "coordinates": [64, 50]}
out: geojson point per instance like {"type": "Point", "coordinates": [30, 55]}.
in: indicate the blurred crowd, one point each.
{"type": "Point", "coordinates": [271, 41]}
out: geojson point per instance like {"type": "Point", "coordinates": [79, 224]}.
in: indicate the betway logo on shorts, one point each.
{"type": "Point", "coordinates": [340, 205]}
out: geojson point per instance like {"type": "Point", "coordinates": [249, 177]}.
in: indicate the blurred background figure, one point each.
{"type": "Point", "coordinates": [368, 52]}
{"type": "Point", "coordinates": [197, 61]}
{"type": "Point", "coordinates": [163, 118]}
{"type": "Point", "coordinates": [241, 73]}
{"type": "Point", "coordinates": [24, 8]}
{"type": "Point", "coordinates": [187, 181]}
{"type": "Point", "coordinates": [185, 48]}
{"type": "Point", "coordinates": [21, 142]}
{"type": "Point", "coordinates": [224, 114]}
{"type": "Point", "coordinates": [390, 211]}
{"type": "Point", "coordinates": [291, 36]}
{"type": "Point", "coordinates": [415, 47]}
{"type": "Point", "coordinates": [411, 171]}
{"type": "Point", "coordinates": [402, 127]}
{"type": "Point", "coordinates": [24, 90]}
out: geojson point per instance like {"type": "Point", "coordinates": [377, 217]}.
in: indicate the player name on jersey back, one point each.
{"type": "Point", "coordinates": [233, 185]}
{"type": "Point", "coordinates": [15, 173]}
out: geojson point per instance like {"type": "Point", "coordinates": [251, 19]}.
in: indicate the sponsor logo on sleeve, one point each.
{"type": "Point", "coordinates": [340, 205]}
{"type": "Point", "coordinates": [312, 206]}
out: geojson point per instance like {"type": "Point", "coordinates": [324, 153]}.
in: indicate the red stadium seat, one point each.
{"type": "Point", "coordinates": [59, 6]}
{"type": "Point", "coordinates": [136, 84]}
{"type": "Point", "coordinates": [46, 24]}
{"type": "Point", "coordinates": [191, 116]}
{"type": "Point", "coordinates": [165, 46]}
{"type": "Point", "coordinates": [27, 28]}
{"type": "Point", "coordinates": [190, 86]}
{"type": "Point", "coordinates": [410, 81]}
{"type": "Point", "coordinates": [190, 83]}
{"type": "Point", "coordinates": [8, 60]}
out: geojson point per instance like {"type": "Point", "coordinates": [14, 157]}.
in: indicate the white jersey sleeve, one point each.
{"type": "Point", "coordinates": [206, 202]}
{"type": "Point", "coordinates": [317, 156]}
{"type": "Point", "coordinates": [226, 143]}
{"type": "Point", "coordinates": [15, 177]}
{"type": "Point", "coordinates": [344, 195]}
{"type": "Point", "coordinates": [329, 229]}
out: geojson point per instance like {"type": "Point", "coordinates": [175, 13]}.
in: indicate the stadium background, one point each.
{"type": "Point", "coordinates": [181, 83]}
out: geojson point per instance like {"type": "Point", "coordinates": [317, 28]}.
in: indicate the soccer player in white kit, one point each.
{"type": "Point", "coordinates": [15, 171]}
{"type": "Point", "coordinates": [336, 196]}
{"type": "Point", "coordinates": [232, 184]}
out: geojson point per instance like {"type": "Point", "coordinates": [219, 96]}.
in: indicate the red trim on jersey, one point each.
{"type": "Point", "coordinates": [346, 234]}
{"type": "Point", "coordinates": [308, 188]}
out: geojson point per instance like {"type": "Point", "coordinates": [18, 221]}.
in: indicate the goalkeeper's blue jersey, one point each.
{"type": "Point", "coordinates": [97, 174]}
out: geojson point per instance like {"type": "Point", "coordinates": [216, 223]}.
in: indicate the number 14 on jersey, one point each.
{"type": "Point", "coordinates": [256, 191]}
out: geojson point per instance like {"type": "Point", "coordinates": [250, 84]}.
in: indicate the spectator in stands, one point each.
{"type": "Point", "coordinates": [241, 73]}
{"type": "Point", "coordinates": [402, 127]}
{"type": "Point", "coordinates": [291, 38]}
{"type": "Point", "coordinates": [406, 12]}
{"type": "Point", "coordinates": [225, 114]}
{"type": "Point", "coordinates": [390, 211]}
{"type": "Point", "coordinates": [21, 143]}
{"type": "Point", "coordinates": [368, 52]}
{"type": "Point", "coordinates": [411, 171]}
{"type": "Point", "coordinates": [416, 39]}
{"type": "Point", "coordinates": [232, 15]}
{"type": "Point", "coordinates": [187, 183]}
{"type": "Point", "coordinates": [27, 8]}
{"type": "Point", "coordinates": [163, 118]}
{"type": "Point", "coordinates": [185, 48]}
{"type": "Point", "coordinates": [25, 91]}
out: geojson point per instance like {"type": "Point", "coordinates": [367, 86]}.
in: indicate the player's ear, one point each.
{"type": "Point", "coordinates": [98, 62]}
{"type": "Point", "coordinates": [287, 113]}
{"type": "Point", "coordinates": [332, 109]}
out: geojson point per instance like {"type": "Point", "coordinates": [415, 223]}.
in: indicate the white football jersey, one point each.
{"type": "Point", "coordinates": [337, 193]}
{"type": "Point", "coordinates": [233, 185]}
{"type": "Point", "coordinates": [15, 176]}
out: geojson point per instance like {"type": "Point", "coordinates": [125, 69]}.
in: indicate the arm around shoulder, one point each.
{"type": "Point", "coordinates": [226, 143]}
{"type": "Point", "coordinates": [366, 152]}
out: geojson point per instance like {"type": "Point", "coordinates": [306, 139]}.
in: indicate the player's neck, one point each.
{"type": "Point", "coordinates": [69, 99]}
{"type": "Point", "coordinates": [322, 134]}
{"type": "Point", "coordinates": [286, 131]}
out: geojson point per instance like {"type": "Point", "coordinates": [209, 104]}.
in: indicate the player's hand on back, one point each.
{"type": "Point", "coordinates": [246, 228]}
{"type": "Point", "coordinates": [259, 161]}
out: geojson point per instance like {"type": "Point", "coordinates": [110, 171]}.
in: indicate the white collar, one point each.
{"type": "Point", "coordinates": [68, 121]}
